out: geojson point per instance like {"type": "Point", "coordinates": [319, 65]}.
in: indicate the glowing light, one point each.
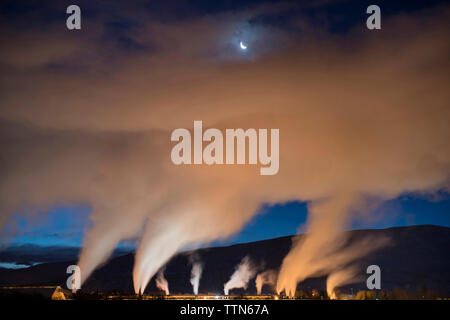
{"type": "Point", "coordinates": [243, 46]}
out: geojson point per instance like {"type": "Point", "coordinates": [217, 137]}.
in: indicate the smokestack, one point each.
{"type": "Point", "coordinates": [162, 283]}
{"type": "Point", "coordinates": [241, 276]}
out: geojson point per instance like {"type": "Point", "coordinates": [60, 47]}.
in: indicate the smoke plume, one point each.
{"type": "Point", "coordinates": [161, 282]}
{"type": "Point", "coordinates": [363, 118]}
{"type": "Point", "coordinates": [241, 276]}
{"type": "Point", "coordinates": [267, 277]}
{"type": "Point", "coordinates": [325, 248]}
{"type": "Point", "coordinates": [196, 273]}
{"type": "Point", "coordinates": [339, 278]}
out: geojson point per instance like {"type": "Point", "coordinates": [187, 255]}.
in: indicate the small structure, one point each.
{"type": "Point", "coordinates": [60, 294]}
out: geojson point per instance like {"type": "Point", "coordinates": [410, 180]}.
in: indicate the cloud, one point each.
{"type": "Point", "coordinates": [363, 117]}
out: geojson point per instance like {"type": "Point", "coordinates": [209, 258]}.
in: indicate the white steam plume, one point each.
{"type": "Point", "coordinates": [161, 282]}
{"type": "Point", "coordinates": [196, 273]}
{"type": "Point", "coordinates": [241, 276]}
{"type": "Point", "coordinates": [325, 248]}
{"type": "Point", "coordinates": [267, 277]}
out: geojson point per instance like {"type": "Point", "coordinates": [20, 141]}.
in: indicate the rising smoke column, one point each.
{"type": "Point", "coordinates": [161, 282]}
{"type": "Point", "coordinates": [339, 278]}
{"type": "Point", "coordinates": [241, 276]}
{"type": "Point", "coordinates": [196, 272]}
{"type": "Point", "coordinates": [324, 249]}
{"type": "Point", "coordinates": [267, 277]}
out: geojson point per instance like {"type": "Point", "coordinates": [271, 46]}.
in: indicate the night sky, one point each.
{"type": "Point", "coordinates": [272, 221]}
{"type": "Point", "coordinates": [114, 35]}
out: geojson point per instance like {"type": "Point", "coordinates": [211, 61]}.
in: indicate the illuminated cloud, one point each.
{"type": "Point", "coordinates": [362, 117]}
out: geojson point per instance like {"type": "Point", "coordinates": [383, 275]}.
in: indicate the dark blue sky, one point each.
{"type": "Point", "coordinates": [64, 225]}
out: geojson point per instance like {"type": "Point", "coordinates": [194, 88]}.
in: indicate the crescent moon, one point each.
{"type": "Point", "coordinates": [243, 46]}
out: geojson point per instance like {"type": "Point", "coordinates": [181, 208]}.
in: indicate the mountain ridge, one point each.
{"type": "Point", "coordinates": [416, 257]}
